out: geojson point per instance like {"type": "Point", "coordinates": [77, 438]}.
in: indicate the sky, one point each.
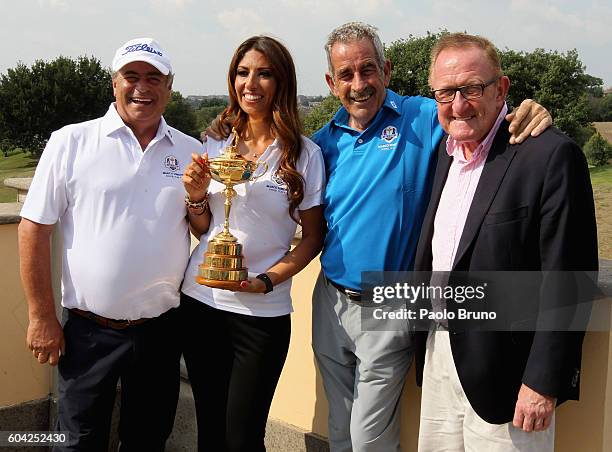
{"type": "Point", "coordinates": [201, 35]}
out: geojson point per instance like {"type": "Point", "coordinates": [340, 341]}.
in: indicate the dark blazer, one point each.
{"type": "Point", "coordinates": [533, 210]}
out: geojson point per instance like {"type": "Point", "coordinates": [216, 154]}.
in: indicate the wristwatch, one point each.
{"type": "Point", "coordinates": [267, 281]}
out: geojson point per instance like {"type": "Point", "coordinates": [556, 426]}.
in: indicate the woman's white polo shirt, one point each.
{"type": "Point", "coordinates": [260, 220]}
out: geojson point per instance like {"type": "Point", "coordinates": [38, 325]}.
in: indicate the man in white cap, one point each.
{"type": "Point", "coordinates": [113, 185]}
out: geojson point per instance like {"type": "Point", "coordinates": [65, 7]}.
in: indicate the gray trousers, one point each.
{"type": "Point", "coordinates": [363, 373]}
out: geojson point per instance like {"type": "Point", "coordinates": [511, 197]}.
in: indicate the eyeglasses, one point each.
{"type": "Point", "coordinates": [446, 95]}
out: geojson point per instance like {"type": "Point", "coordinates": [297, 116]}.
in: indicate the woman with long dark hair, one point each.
{"type": "Point", "coordinates": [236, 342]}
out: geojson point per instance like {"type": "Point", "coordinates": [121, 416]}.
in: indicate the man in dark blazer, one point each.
{"type": "Point", "coordinates": [500, 207]}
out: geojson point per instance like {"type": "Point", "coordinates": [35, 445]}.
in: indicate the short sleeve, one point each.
{"type": "Point", "coordinates": [313, 172]}
{"type": "Point", "coordinates": [47, 198]}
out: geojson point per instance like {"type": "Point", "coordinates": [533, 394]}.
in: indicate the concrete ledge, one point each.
{"type": "Point", "coordinates": [21, 184]}
{"type": "Point", "coordinates": [9, 212]}
{"type": "Point", "coordinates": [282, 437]}
{"type": "Point", "coordinates": [27, 416]}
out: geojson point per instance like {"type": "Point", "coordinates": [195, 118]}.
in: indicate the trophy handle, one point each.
{"type": "Point", "coordinates": [257, 166]}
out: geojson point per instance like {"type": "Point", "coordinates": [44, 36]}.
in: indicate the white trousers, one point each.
{"type": "Point", "coordinates": [448, 422]}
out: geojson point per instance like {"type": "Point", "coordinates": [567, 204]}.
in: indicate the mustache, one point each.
{"type": "Point", "coordinates": [366, 92]}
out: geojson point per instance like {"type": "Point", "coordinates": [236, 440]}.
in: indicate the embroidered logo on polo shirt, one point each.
{"type": "Point", "coordinates": [388, 136]}
{"type": "Point", "coordinates": [171, 162]}
{"type": "Point", "coordinates": [280, 187]}
{"type": "Point", "coordinates": [173, 167]}
{"type": "Point", "coordinates": [277, 179]}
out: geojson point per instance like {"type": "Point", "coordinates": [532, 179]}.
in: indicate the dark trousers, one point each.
{"type": "Point", "coordinates": [234, 362]}
{"type": "Point", "coordinates": [144, 357]}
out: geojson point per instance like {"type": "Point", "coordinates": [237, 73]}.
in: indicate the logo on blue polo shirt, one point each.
{"type": "Point", "coordinates": [389, 134]}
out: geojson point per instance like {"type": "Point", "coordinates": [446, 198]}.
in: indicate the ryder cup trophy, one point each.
{"type": "Point", "coordinates": [223, 261]}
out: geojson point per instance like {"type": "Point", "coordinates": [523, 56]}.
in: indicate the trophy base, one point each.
{"type": "Point", "coordinates": [223, 266]}
{"type": "Point", "coordinates": [216, 284]}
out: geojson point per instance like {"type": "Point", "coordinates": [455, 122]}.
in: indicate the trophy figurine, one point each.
{"type": "Point", "coordinates": [223, 261]}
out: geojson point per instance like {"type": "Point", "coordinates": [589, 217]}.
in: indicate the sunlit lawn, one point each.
{"type": "Point", "coordinates": [15, 165]}
{"type": "Point", "coordinates": [601, 178]}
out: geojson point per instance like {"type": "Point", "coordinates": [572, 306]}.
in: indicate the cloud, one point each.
{"type": "Point", "coordinates": [341, 8]}
{"type": "Point", "coordinates": [57, 4]}
{"type": "Point", "coordinates": [169, 5]}
{"type": "Point", "coordinates": [241, 21]}
{"type": "Point", "coordinates": [546, 12]}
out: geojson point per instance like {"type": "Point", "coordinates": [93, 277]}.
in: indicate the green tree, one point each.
{"type": "Point", "coordinates": [597, 150]}
{"type": "Point", "coordinates": [208, 110]}
{"type": "Point", "coordinates": [36, 100]}
{"type": "Point", "coordinates": [410, 64]}
{"type": "Point", "coordinates": [600, 108]}
{"type": "Point", "coordinates": [180, 115]}
{"type": "Point", "coordinates": [320, 115]}
{"type": "Point", "coordinates": [556, 80]}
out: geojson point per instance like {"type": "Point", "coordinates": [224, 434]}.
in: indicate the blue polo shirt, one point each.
{"type": "Point", "coordinates": [378, 187]}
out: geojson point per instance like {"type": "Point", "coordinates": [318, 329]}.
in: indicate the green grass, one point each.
{"type": "Point", "coordinates": [15, 165]}
{"type": "Point", "coordinates": [601, 175]}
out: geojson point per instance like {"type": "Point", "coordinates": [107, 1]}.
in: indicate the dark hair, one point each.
{"type": "Point", "coordinates": [286, 125]}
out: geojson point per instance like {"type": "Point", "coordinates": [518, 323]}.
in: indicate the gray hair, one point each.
{"type": "Point", "coordinates": [355, 31]}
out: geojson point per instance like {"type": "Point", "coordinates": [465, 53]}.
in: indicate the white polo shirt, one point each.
{"type": "Point", "coordinates": [121, 213]}
{"type": "Point", "coordinates": [260, 220]}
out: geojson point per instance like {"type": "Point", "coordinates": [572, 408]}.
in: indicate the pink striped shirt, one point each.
{"type": "Point", "coordinates": [457, 196]}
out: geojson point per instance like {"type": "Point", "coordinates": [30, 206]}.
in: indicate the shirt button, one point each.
{"type": "Point", "coordinates": [360, 140]}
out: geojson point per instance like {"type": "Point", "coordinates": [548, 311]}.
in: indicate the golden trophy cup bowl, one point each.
{"type": "Point", "coordinates": [223, 261]}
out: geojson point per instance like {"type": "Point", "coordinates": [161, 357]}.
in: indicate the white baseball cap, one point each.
{"type": "Point", "coordinates": [142, 49]}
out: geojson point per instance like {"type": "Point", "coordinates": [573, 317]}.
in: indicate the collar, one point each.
{"type": "Point", "coordinates": [393, 102]}
{"type": "Point", "coordinates": [111, 122]}
{"type": "Point", "coordinates": [455, 149]}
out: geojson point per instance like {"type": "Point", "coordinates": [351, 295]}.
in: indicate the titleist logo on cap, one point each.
{"type": "Point", "coordinates": [146, 50]}
{"type": "Point", "coordinates": [141, 47]}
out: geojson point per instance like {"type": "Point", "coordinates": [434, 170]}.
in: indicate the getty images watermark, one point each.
{"type": "Point", "coordinates": [485, 301]}
{"type": "Point", "coordinates": [411, 294]}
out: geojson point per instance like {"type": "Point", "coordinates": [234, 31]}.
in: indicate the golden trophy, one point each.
{"type": "Point", "coordinates": [223, 261]}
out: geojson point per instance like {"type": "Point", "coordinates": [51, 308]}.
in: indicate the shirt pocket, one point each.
{"type": "Point", "coordinates": [506, 216]}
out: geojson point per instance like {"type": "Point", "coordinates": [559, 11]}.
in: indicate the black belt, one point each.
{"type": "Point", "coordinates": [106, 322]}
{"type": "Point", "coordinates": [353, 295]}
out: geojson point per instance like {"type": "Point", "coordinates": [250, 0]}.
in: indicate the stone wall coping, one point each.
{"type": "Point", "coordinates": [20, 183]}
{"type": "Point", "coordinates": [9, 212]}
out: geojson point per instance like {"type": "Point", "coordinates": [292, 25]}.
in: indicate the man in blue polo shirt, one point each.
{"type": "Point", "coordinates": [379, 155]}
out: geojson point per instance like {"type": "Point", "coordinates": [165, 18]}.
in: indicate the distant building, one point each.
{"type": "Point", "coordinates": [196, 101]}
